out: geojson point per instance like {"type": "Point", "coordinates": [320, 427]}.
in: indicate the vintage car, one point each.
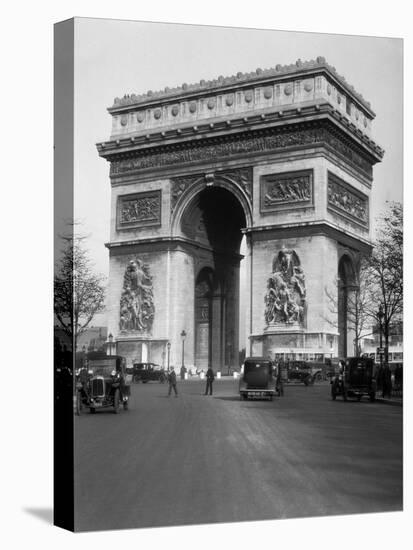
{"type": "Point", "coordinates": [257, 378]}
{"type": "Point", "coordinates": [301, 371]}
{"type": "Point", "coordinates": [109, 384]}
{"type": "Point", "coordinates": [145, 372]}
{"type": "Point", "coordinates": [356, 378]}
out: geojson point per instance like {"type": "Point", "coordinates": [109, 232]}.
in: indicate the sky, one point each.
{"type": "Point", "coordinates": [115, 57]}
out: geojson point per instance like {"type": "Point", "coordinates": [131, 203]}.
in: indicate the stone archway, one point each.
{"type": "Point", "coordinates": [213, 219]}
{"type": "Point", "coordinates": [347, 284]}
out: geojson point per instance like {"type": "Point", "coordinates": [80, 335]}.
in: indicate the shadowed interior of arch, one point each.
{"type": "Point", "coordinates": [214, 218]}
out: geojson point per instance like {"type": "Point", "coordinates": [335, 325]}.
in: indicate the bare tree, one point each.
{"type": "Point", "coordinates": [79, 293]}
{"type": "Point", "coordinates": [359, 307]}
{"type": "Point", "coordinates": [386, 269]}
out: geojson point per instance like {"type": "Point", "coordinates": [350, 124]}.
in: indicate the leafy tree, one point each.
{"type": "Point", "coordinates": [79, 293]}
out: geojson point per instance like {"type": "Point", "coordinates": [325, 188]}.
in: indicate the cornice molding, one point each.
{"type": "Point", "coordinates": [154, 244]}
{"type": "Point", "coordinates": [221, 128]}
{"type": "Point", "coordinates": [311, 228]}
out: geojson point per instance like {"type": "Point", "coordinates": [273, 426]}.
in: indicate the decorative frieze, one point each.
{"type": "Point", "coordinates": [346, 201]}
{"type": "Point", "coordinates": [212, 150]}
{"type": "Point", "coordinates": [139, 209]}
{"type": "Point", "coordinates": [286, 190]}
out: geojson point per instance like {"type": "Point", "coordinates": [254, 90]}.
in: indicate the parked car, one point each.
{"type": "Point", "coordinates": [109, 384]}
{"type": "Point", "coordinates": [355, 379]}
{"type": "Point", "coordinates": [145, 372]}
{"type": "Point", "coordinates": [257, 378]}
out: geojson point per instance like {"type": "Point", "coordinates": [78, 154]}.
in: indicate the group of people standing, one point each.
{"type": "Point", "coordinates": [172, 381]}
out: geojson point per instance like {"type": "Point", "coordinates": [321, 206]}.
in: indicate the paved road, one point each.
{"type": "Point", "coordinates": [201, 459]}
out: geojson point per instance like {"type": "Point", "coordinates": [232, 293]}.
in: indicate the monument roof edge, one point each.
{"type": "Point", "coordinates": [221, 83]}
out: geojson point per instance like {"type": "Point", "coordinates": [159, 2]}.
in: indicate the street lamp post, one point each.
{"type": "Point", "coordinates": [380, 315]}
{"type": "Point", "coordinates": [111, 344]}
{"type": "Point", "coordinates": [183, 335]}
{"type": "Point", "coordinates": [168, 345]}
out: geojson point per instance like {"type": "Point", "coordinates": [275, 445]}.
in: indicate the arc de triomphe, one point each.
{"type": "Point", "coordinates": [283, 156]}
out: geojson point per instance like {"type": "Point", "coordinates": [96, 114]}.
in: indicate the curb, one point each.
{"type": "Point", "coordinates": [389, 402]}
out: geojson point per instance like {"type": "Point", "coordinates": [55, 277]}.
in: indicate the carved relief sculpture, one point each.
{"type": "Point", "coordinates": [136, 302]}
{"type": "Point", "coordinates": [286, 293]}
{"type": "Point", "coordinates": [280, 190]}
{"type": "Point", "coordinates": [344, 200]}
{"type": "Point", "coordinates": [139, 209]}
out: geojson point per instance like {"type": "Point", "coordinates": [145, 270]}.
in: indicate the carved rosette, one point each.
{"type": "Point", "coordinates": [286, 190]}
{"type": "Point", "coordinates": [347, 201]}
{"type": "Point", "coordinates": [139, 209]}
{"type": "Point", "coordinates": [137, 308]}
{"type": "Point", "coordinates": [285, 300]}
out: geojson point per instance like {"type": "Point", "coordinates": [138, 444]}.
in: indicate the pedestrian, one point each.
{"type": "Point", "coordinates": [279, 385]}
{"type": "Point", "coordinates": [209, 379]}
{"type": "Point", "coordinates": [172, 382]}
{"type": "Point", "coordinates": [387, 385]}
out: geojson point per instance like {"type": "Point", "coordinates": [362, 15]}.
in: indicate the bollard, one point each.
{"type": "Point", "coordinates": [202, 375]}
{"type": "Point", "coordinates": [186, 376]}
{"type": "Point", "coordinates": [236, 375]}
{"type": "Point", "coordinates": [218, 375]}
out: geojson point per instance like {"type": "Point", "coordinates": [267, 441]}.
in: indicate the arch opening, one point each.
{"type": "Point", "coordinates": [347, 284]}
{"type": "Point", "coordinates": [214, 218]}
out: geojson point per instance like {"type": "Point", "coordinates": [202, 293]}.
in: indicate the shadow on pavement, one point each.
{"type": "Point", "coordinates": [45, 514]}
{"type": "Point", "coordinates": [228, 398]}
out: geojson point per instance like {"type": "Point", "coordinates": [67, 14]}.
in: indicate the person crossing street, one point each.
{"type": "Point", "coordinates": [172, 382]}
{"type": "Point", "coordinates": [209, 380]}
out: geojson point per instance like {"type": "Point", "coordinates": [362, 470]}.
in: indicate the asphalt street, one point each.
{"type": "Point", "coordinates": [201, 459]}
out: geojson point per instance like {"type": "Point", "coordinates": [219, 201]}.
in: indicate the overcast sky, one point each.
{"type": "Point", "coordinates": [117, 57]}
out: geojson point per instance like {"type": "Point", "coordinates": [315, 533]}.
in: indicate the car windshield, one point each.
{"type": "Point", "coordinates": [102, 367]}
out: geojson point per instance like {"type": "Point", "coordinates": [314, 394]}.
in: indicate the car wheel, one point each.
{"type": "Point", "coordinates": [116, 401]}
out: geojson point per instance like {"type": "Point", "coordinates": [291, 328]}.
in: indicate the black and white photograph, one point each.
{"type": "Point", "coordinates": [223, 361]}
{"type": "Point", "coordinates": [230, 289]}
